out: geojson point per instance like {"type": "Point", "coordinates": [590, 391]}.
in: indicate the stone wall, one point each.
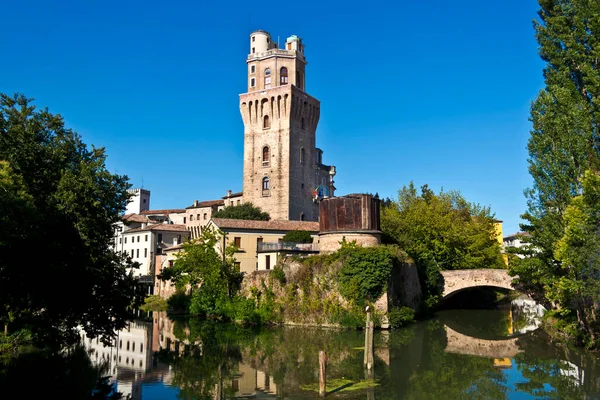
{"type": "Point", "coordinates": [330, 242]}
{"type": "Point", "coordinates": [404, 288]}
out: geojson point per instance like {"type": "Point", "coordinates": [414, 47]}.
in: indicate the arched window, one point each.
{"type": "Point", "coordinates": [301, 216]}
{"type": "Point", "coordinates": [302, 124]}
{"type": "Point", "coordinates": [267, 78]}
{"type": "Point", "coordinates": [266, 156]}
{"type": "Point", "coordinates": [283, 76]}
{"type": "Point", "coordinates": [266, 122]}
{"type": "Point", "coordinates": [266, 187]}
{"type": "Point", "coordinates": [302, 155]}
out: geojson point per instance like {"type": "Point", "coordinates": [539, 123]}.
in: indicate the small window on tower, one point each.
{"type": "Point", "coordinates": [252, 82]}
{"type": "Point", "coordinates": [253, 37]}
{"type": "Point", "coordinates": [283, 76]}
{"type": "Point", "coordinates": [266, 187]}
{"type": "Point", "coordinates": [265, 156]}
{"type": "Point", "coordinates": [252, 69]}
{"type": "Point", "coordinates": [302, 155]}
{"type": "Point", "coordinates": [302, 126]}
{"type": "Point", "coordinates": [253, 50]}
{"type": "Point", "coordinates": [266, 122]}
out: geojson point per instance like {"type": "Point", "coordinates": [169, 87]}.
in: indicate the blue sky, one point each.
{"type": "Point", "coordinates": [437, 92]}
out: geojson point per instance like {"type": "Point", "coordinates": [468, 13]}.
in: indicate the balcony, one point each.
{"type": "Point", "coordinates": [288, 247]}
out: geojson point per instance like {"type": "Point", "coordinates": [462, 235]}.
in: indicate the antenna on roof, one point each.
{"type": "Point", "coordinates": [142, 182]}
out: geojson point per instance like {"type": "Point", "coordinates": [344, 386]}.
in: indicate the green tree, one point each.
{"type": "Point", "coordinates": [247, 211]}
{"type": "Point", "coordinates": [440, 232]}
{"type": "Point", "coordinates": [298, 236]}
{"type": "Point", "coordinates": [578, 288]}
{"type": "Point", "coordinates": [445, 228]}
{"type": "Point", "coordinates": [58, 205]}
{"type": "Point", "coordinates": [564, 139]}
{"type": "Point", "coordinates": [210, 276]}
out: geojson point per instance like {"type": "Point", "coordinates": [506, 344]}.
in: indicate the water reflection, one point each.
{"type": "Point", "coordinates": [458, 355]}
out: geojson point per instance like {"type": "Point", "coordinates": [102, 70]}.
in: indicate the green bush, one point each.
{"type": "Point", "coordinates": [178, 303]}
{"type": "Point", "coordinates": [400, 316]}
{"type": "Point", "coordinates": [154, 303]}
{"type": "Point", "coordinates": [365, 272]}
{"type": "Point", "coordinates": [298, 236]}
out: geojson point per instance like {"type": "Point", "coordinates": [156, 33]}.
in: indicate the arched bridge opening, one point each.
{"type": "Point", "coordinates": [459, 280]}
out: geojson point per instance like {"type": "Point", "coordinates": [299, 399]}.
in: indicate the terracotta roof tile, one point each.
{"type": "Point", "coordinates": [208, 203]}
{"type": "Point", "coordinates": [164, 212]}
{"type": "Point", "coordinates": [160, 227]}
{"type": "Point", "coordinates": [277, 225]}
{"type": "Point", "coordinates": [237, 194]}
{"type": "Point", "coordinates": [135, 218]}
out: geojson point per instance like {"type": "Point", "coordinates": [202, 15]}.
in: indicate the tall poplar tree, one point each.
{"type": "Point", "coordinates": [564, 141]}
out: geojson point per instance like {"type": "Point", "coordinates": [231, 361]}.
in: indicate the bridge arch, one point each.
{"type": "Point", "coordinates": [455, 281]}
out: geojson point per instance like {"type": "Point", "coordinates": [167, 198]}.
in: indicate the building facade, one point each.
{"type": "Point", "coordinates": [283, 169]}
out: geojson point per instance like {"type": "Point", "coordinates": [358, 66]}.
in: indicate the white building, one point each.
{"type": "Point", "coordinates": [515, 240]}
{"type": "Point", "coordinates": [140, 201]}
{"type": "Point", "coordinates": [144, 243]}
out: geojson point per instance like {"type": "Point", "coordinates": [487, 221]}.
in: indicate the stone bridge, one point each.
{"type": "Point", "coordinates": [462, 344]}
{"type": "Point", "coordinates": [458, 280]}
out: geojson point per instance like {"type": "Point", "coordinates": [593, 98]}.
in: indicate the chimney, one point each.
{"type": "Point", "coordinates": [229, 193]}
{"type": "Point", "coordinates": [195, 203]}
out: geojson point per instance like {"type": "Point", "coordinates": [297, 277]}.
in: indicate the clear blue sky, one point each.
{"type": "Point", "coordinates": [437, 92]}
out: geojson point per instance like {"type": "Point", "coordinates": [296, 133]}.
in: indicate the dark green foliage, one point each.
{"type": "Point", "coordinates": [58, 208]}
{"type": "Point", "coordinates": [298, 237]}
{"type": "Point", "coordinates": [245, 211]}
{"type": "Point", "coordinates": [564, 143]}
{"type": "Point", "coordinates": [178, 303]}
{"type": "Point", "coordinates": [400, 316]}
{"type": "Point", "coordinates": [365, 272]}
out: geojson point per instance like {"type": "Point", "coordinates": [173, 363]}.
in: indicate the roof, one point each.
{"type": "Point", "coordinates": [237, 194]}
{"type": "Point", "coordinates": [208, 203]}
{"type": "Point", "coordinates": [518, 234]}
{"type": "Point", "coordinates": [135, 218]}
{"type": "Point", "coordinates": [277, 225]}
{"type": "Point", "coordinates": [164, 212]}
{"type": "Point", "coordinates": [160, 227]}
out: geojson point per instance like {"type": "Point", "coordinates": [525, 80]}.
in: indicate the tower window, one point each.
{"type": "Point", "coordinates": [267, 71]}
{"type": "Point", "coordinates": [302, 126]}
{"type": "Point", "coordinates": [302, 154]}
{"type": "Point", "coordinates": [283, 76]}
{"type": "Point", "coordinates": [266, 187]}
{"type": "Point", "coordinates": [253, 50]}
{"type": "Point", "coordinates": [266, 156]}
{"type": "Point", "coordinates": [252, 82]}
{"type": "Point", "coordinates": [301, 216]}
{"type": "Point", "coordinates": [266, 122]}
{"type": "Point", "coordinates": [253, 37]}
{"type": "Point", "coordinates": [252, 69]}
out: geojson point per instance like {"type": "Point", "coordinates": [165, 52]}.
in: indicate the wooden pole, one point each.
{"type": "Point", "coordinates": [370, 354]}
{"type": "Point", "coordinates": [366, 356]}
{"type": "Point", "coordinates": [322, 373]}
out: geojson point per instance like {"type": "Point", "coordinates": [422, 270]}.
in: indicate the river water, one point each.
{"type": "Point", "coordinates": [459, 354]}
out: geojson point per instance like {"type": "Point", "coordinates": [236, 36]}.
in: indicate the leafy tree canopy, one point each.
{"type": "Point", "coordinates": [247, 211]}
{"type": "Point", "coordinates": [58, 206]}
{"type": "Point", "coordinates": [564, 143]}
{"type": "Point", "coordinates": [298, 236]}
{"type": "Point", "coordinates": [445, 228]}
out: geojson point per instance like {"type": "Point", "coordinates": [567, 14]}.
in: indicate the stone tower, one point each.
{"type": "Point", "coordinates": [284, 172]}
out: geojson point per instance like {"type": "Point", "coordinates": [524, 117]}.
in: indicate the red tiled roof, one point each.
{"type": "Point", "coordinates": [278, 225]}
{"type": "Point", "coordinates": [160, 227]}
{"type": "Point", "coordinates": [135, 218]}
{"type": "Point", "coordinates": [164, 212]}
{"type": "Point", "coordinates": [238, 194]}
{"type": "Point", "coordinates": [208, 203]}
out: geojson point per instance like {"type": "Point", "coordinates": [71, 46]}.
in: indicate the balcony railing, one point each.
{"type": "Point", "coordinates": [289, 246]}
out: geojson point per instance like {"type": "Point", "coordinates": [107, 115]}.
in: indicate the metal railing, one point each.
{"type": "Point", "coordinates": [288, 246]}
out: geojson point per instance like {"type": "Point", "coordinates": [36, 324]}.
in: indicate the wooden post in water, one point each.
{"type": "Point", "coordinates": [367, 341]}
{"type": "Point", "coordinates": [370, 355]}
{"type": "Point", "coordinates": [322, 373]}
